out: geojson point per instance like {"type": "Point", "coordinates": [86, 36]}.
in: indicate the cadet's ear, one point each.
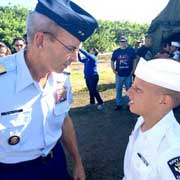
{"type": "Point", "coordinates": [38, 39]}
{"type": "Point", "coordinates": [167, 100]}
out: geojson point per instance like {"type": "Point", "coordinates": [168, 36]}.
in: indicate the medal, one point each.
{"type": "Point", "coordinates": [13, 140]}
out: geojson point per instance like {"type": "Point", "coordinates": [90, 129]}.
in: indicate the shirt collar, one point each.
{"type": "Point", "coordinates": [158, 131]}
{"type": "Point", "coordinates": [24, 77]}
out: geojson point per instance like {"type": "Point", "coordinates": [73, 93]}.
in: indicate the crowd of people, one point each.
{"type": "Point", "coordinates": [36, 97]}
{"type": "Point", "coordinates": [125, 59]}
{"type": "Point", "coordinates": [18, 44]}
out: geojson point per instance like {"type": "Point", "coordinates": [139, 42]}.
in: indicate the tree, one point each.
{"type": "Point", "coordinates": [12, 23]}
{"type": "Point", "coordinates": [107, 35]}
{"type": "Point", "coordinates": [105, 38]}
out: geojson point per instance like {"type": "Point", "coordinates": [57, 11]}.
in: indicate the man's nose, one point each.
{"type": "Point", "coordinates": [74, 56]}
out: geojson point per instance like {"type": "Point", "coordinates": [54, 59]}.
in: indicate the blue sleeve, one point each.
{"type": "Point", "coordinates": [80, 59]}
{"type": "Point", "coordinates": [88, 55]}
{"type": "Point", "coordinates": [113, 58]}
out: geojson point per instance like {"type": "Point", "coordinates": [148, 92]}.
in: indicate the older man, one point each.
{"type": "Point", "coordinates": [35, 98]}
{"type": "Point", "coordinates": [153, 151]}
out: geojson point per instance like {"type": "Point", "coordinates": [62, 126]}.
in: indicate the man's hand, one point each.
{"type": "Point", "coordinates": [78, 172]}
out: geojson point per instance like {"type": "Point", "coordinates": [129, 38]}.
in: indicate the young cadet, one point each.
{"type": "Point", "coordinates": [153, 151]}
{"type": "Point", "coordinates": [34, 98]}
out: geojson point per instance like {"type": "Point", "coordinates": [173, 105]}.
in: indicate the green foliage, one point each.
{"type": "Point", "coordinates": [105, 38]}
{"type": "Point", "coordinates": [12, 23]}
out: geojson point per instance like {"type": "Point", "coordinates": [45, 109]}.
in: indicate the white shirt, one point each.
{"type": "Point", "coordinates": [176, 55]}
{"type": "Point", "coordinates": [39, 120]}
{"type": "Point", "coordinates": [154, 154]}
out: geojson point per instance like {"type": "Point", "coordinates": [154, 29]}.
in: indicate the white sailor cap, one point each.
{"type": "Point", "coordinates": [162, 72]}
{"type": "Point", "coordinates": [174, 43]}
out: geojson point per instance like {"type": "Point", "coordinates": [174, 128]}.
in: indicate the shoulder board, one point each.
{"type": "Point", "coordinates": [2, 69]}
{"type": "Point", "coordinates": [7, 64]}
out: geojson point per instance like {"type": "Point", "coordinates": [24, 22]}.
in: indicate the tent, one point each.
{"type": "Point", "coordinates": [166, 26]}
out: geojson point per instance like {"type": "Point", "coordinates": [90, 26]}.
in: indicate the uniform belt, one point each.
{"type": "Point", "coordinates": [39, 160]}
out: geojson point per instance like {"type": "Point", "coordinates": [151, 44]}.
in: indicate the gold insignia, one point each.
{"type": "Point", "coordinates": [2, 69]}
{"type": "Point", "coordinates": [177, 167]}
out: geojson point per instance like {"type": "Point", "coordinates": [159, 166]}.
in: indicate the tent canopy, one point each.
{"type": "Point", "coordinates": [166, 26]}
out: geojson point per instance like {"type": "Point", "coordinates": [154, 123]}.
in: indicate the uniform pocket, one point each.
{"type": "Point", "coordinates": [61, 108]}
{"type": "Point", "coordinates": [12, 128]}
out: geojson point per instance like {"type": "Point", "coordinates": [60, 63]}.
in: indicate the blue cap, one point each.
{"type": "Point", "coordinates": [69, 16]}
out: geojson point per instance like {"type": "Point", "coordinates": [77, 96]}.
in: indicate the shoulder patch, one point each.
{"type": "Point", "coordinates": [174, 165]}
{"type": "Point", "coordinates": [2, 69]}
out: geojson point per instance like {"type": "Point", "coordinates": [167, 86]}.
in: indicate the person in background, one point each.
{"type": "Point", "coordinates": [174, 50]}
{"type": "Point", "coordinates": [122, 64]}
{"type": "Point", "coordinates": [153, 151]}
{"type": "Point", "coordinates": [91, 75]}
{"type": "Point", "coordinates": [137, 45]}
{"type": "Point", "coordinates": [25, 38]}
{"type": "Point", "coordinates": [4, 50]}
{"type": "Point", "coordinates": [164, 51]}
{"type": "Point", "coordinates": [35, 95]}
{"type": "Point", "coordinates": [145, 50]}
{"type": "Point", "coordinates": [19, 43]}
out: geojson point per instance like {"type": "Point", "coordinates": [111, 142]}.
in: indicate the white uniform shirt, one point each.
{"type": "Point", "coordinates": [154, 154]}
{"type": "Point", "coordinates": [28, 112]}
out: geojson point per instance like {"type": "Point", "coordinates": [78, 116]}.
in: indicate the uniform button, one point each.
{"type": "Point", "coordinates": [13, 140]}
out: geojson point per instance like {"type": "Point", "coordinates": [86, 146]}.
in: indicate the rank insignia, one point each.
{"type": "Point", "coordinates": [174, 165]}
{"type": "Point", "coordinates": [2, 69]}
{"type": "Point", "coordinates": [13, 140]}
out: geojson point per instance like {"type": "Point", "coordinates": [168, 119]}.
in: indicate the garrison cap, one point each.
{"type": "Point", "coordinates": [69, 16]}
{"type": "Point", "coordinates": [161, 72]}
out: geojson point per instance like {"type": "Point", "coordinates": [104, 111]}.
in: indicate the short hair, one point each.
{"type": "Point", "coordinates": [19, 39]}
{"type": "Point", "coordinates": [175, 95]}
{"type": "Point", "coordinates": [38, 22]}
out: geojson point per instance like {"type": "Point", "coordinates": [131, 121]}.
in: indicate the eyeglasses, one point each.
{"type": "Point", "coordinates": [70, 49]}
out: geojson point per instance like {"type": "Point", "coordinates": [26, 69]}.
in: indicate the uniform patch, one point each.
{"type": "Point", "coordinates": [61, 93]}
{"type": "Point", "coordinates": [174, 165]}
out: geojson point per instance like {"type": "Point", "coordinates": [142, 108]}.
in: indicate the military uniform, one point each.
{"type": "Point", "coordinates": [154, 154]}
{"type": "Point", "coordinates": [30, 117]}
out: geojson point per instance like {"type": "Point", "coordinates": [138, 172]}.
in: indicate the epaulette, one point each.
{"type": "Point", "coordinates": [2, 69]}
{"type": "Point", "coordinates": [7, 65]}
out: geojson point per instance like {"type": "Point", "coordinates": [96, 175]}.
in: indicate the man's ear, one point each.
{"type": "Point", "coordinates": [167, 100]}
{"type": "Point", "coordinates": [39, 39]}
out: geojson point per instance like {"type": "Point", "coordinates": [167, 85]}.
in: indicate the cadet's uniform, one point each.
{"type": "Point", "coordinates": [30, 117]}
{"type": "Point", "coordinates": [154, 154]}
